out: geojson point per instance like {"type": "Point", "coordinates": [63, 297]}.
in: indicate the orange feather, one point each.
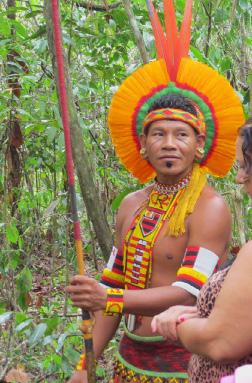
{"type": "Point", "coordinates": [185, 31]}
{"type": "Point", "coordinates": [172, 36]}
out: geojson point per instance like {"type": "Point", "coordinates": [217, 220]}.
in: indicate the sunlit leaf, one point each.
{"type": "Point", "coordinates": [12, 233]}
{"type": "Point", "coordinates": [5, 317]}
{"type": "Point", "coordinates": [37, 334]}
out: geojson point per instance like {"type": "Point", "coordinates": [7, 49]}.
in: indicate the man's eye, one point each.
{"type": "Point", "coordinates": [182, 134]}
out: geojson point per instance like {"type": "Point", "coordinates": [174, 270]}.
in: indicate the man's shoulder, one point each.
{"type": "Point", "coordinates": [131, 203]}
{"type": "Point", "coordinates": [135, 198]}
{"type": "Point", "coordinates": [211, 207]}
{"type": "Point", "coordinates": [211, 199]}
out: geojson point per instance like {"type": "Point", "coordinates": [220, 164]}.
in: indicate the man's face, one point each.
{"type": "Point", "coordinates": [174, 143]}
{"type": "Point", "coordinates": [243, 176]}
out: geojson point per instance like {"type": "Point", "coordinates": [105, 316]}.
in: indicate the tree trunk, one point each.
{"type": "Point", "coordinates": [15, 138]}
{"type": "Point", "coordinates": [90, 194]}
{"type": "Point", "coordinates": [136, 31]}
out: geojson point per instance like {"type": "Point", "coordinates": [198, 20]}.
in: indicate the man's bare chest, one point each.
{"type": "Point", "coordinates": [166, 252]}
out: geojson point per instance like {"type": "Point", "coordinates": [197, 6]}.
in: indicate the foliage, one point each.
{"type": "Point", "coordinates": [36, 252]}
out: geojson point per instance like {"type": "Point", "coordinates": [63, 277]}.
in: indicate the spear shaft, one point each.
{"type": "Point", "coordinates": [87, 321]}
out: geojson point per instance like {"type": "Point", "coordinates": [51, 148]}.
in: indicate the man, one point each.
{"type": "Point", "coordinates": [172, 147]}
{"type": "Point", "coordinates": [173, 119]}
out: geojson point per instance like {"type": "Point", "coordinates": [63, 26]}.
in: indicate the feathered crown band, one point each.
{"type": "Point", "coordinates": [175, 73]}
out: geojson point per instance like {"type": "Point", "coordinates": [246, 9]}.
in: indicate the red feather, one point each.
{"type": "Point", "coordinates": [185, 31]}
{"type": "Point", "coordinates": [172, 37]}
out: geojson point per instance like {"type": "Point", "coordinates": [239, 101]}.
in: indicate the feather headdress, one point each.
{"type": "Point", "coordinates": [175, 72]}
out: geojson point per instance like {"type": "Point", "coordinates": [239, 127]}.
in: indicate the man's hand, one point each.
{"type": "Point", "coordinates": [86, 293]}
{"type": "Point", "coordinates": [166, 322]}
{"type": "Point", "coordinates": [78, 377]}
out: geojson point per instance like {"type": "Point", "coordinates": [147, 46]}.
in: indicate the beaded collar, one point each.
{"type": "Point", "coordinates": [172, 189]}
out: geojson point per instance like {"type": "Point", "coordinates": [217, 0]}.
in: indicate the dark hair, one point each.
{"type": "Point", "coordinates": [175, 101]}
{"type": "Point", "coordinates": [245, 132]}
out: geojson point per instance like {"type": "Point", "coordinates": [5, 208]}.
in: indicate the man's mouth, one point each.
{"type": "Point", "coordinates": [169, 158]}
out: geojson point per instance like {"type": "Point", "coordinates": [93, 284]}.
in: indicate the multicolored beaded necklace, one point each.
{"type": "Point", "coordinates": [171, 189]}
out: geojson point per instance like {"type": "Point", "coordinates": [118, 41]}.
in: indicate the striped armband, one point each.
{"type": "Point", "coordinates": [197, 266]}
{"type": "Point", "coordinates": [113, 275]}
{"type": "Point", "coordinates": [114, 304]}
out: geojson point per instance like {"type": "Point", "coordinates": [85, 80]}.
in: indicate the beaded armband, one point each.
{"type": "Point", "coordinates": [114, 305]}
{"type": "Point", "coordinates": [113, 274]}
{"type": "Point", "coordinates": [81, 365]}
{"type": "Point", "coordinates": [198, 265]}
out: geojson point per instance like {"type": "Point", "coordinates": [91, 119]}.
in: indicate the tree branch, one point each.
{"type": "Point", "coordinates": [136, 31]}
{"type": "Point", "coordinates": [96, 7]}
{"type": "Point", "coordinates": [209, 28]}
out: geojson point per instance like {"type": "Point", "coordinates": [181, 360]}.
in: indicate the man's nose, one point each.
{"type": "Point", "coordinates": [169, 141]}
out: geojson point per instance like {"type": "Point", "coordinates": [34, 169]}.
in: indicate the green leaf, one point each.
{"type": "Point", "coordinates": [23, 325]}
{"type": "Point", "coordinates": [196, 53]}
{"type": "Point", "coordinates": [20, 317]}
{"type": "Point", "coordinates": [47, 340]}
{"type": "Point", "coordinates": [51, 132]}
{"type": "Point", "coordinates": [33, 14]}
{"type": "Point", "coordinates": [61, 341]}
{"type": "Point", "coordinates": [118, 199]}
{"type": "Point", "coordinates": [24, 280]}
{"type": "Point", "coordinates": [52, 324]}
{"type": "Point", "coordinates": [20, 29]}
{"type": "Point", "coordinates": [12, 233]}
{"type": "Point", "coordinates": [100, 372]}
{"type": "Point", "coordinates": [37, 334]}
{"type": "Point", "coordinates": [5, 317]}
{"type": "Point", "coordinates": [245, 4]}
{"type": "Point", "coordinates": [5, 29]}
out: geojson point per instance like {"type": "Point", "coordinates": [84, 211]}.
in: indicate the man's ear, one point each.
{"type": "Point", "coordinates": [142, 140]}
{"type": "Point", "coordinates": [201, 139]}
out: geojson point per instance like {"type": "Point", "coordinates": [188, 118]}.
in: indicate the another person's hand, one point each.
{"type": "Point", "coordinates": [166, 323]}
{"type": "Point", "coordinates": [86, 293]}
{"type": "Point", "coordinates": [78, 377]}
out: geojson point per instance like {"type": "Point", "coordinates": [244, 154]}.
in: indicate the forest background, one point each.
{"type": "Point", "coordinates": [104, 41]}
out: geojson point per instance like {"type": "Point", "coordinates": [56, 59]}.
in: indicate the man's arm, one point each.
{"type": "Point", "coordinates": [225, 335]}
{"type": "Point", "coordinates": [210, 227]}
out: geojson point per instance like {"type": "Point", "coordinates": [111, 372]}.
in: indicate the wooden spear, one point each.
{"type": "Point", "coordinates": [87, 321]}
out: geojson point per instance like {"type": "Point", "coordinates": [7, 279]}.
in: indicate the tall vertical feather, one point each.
{"type": "Point", "coordinates": [160, 39]}
{"type": "Point", "coordinates": [185, 31]}
{"type": "Point", "coordinates": [171, 46]}
{"type": "Point", "coordinates": [171, 32]}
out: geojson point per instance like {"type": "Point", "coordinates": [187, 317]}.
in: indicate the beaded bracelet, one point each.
{"type": "Point", "coordinates": [114, 304]}
{"type": "Point", "coordinates": [82, 364]}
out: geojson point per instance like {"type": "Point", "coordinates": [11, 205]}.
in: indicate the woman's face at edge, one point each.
{"type": "Point", "coordinates": [243, 176]}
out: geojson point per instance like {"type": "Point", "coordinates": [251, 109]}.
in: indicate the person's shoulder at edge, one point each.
{"type": "Point", "coordinates": [245, 252]}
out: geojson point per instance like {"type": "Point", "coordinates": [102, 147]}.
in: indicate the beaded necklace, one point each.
{"type": "Point", "coordinates": [171, 189]}
{"type": "Point", "coordinates": [142, 235]}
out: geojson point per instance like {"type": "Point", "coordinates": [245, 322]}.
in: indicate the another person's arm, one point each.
{"type": "Point", "coordinates": [226, 334]}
